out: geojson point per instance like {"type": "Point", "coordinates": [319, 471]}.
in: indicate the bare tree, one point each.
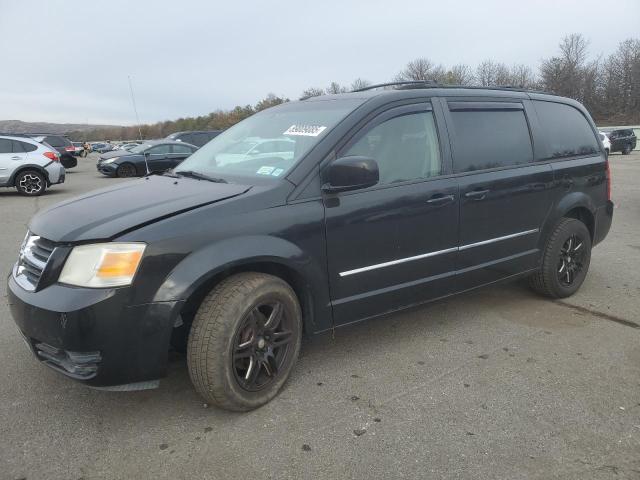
{"type": "Point", "coordinates": [359, 83]}
{"type": "Point", "coordinates": [270, 101]}
{"type": "Point", "coordinates": [335, 87]}
{"type": "Point", "coordinates": [421, 69]}
{"type": "Point", "coordinates": [460, 75]}
{"type": "Point", "coordinates": [490, 73]}
{"type": "Point", "coordinates": [522, 76]}
{"type": "Point", "coordinates": [311, 92]}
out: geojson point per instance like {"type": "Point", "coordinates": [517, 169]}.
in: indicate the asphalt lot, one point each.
{"type": "Point", "coordinates": [499, 383]}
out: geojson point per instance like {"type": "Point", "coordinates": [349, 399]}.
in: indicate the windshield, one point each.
{"type": "Point", "coordinates": [140, 148]}
{"type": "Point", "coordinates": [269, 143]}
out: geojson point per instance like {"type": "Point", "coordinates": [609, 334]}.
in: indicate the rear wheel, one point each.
{"type": "Point", "coordinates": [244, 341]}
{"type": "Point", "coordinates": [126, 170]}
{"type": "Point", "coordinates": [565, 260]}
{"type": "Point", "coordinates": [31, 183]}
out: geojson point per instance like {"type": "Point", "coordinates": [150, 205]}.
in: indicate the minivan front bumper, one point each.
{"type": "Point", "coordinates": [93, 335]}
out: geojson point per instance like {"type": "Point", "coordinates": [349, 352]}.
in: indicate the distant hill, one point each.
{"type": "Point", "coordinates": [17, 126]}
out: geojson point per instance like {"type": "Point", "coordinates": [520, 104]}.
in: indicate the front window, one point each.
{"type": "Point", "coordinates": [268, 144]}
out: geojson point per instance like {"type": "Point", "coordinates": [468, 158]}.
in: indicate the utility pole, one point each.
{"type": "Point", "coordinates": [135, 109]}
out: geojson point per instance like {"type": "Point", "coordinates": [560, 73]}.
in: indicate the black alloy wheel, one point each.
{"type": "Point", "coordinates": [261, 346]}
{"type": "Point", "coordinates": [244, 340]}
{"type": "Point", "coordinates": [566, 256]}
{"type": "Point", "coordinates": [571, 260]}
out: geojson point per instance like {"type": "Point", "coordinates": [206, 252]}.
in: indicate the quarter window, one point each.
{"type": "Point", "coordinates": [567, 131]}
{"type": "Point", "coordinates": [490, 139]}
{"type": "Point", "coordinates": [405, 148]}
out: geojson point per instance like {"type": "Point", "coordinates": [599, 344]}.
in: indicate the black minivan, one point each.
{"type": "Point", "coordinates": [376, 201]}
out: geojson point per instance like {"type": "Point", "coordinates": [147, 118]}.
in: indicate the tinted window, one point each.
{"type": "Point", "coordinates": [490, 139]}
{"type": "Point", "coordinates": [57, 141]}
{"type": "Point", "coordinates": [5, 146]}
{"type": "Point", "coordinates": [182, 149]}
{"type": "Point", "coordinates": [566, 130]}
{"type": "Point", "coordinates": [23, 146]}
{"type": "Point", "coordinates": [405, 147]}
{"type": "Point", "coordinates": [160, 149]}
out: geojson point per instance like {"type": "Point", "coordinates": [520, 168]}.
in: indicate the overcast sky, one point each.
{"type": "Point", "coordinates": [68, 60]}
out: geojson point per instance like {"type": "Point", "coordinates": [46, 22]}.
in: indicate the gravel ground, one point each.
{"type": "Point", "coordinates": [499, 383]}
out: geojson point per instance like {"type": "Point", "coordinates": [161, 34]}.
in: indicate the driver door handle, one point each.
{"type": "Point", "coordinates": [440, 199]}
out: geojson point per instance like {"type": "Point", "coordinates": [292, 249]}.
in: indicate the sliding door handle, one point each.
{"type": "Point", "coordinates": [476, 194]}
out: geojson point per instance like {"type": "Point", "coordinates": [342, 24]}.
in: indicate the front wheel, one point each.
{"type": "Point", "coordinates": [565, 260]}
{"type": "Point", "coordinates": [626, 150]}
{"type": "Point", "coordinates": [244, 341]}
{"type": "Point", "coordinates": [31, 183]}
{"type": "Point", "coordinates": [126, 170]}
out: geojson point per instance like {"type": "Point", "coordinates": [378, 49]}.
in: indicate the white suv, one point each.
{"type": "Point", "coordinates": [28, 166]}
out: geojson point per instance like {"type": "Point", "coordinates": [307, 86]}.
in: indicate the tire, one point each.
{"type": "Point", "coordinates": [226, 340]}
{"type": "Point", "coordinates": [126, 170]}
{"type": "Point", "coordinates": [30, 183]}
{"type": "Point", "coordinates": [626, 150]}
{"type": "Point", "coordinates": [557, 277]}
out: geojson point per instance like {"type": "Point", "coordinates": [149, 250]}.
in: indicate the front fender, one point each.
{"type": "Point", "coordinates": [204, 264]}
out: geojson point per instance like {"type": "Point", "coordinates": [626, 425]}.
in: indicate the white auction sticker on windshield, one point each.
{"type": "Point", "coordinates": [265, 170]}
{"type": "Point", "coordinates": [305, 130]}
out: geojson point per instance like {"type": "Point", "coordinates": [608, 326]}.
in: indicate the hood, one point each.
{"type": "Point", "coordinates": [115, 153]}
{"type": "Point", "coordinates": [103, 214]}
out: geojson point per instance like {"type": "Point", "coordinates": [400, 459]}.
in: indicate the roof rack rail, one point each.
{"type": "Point", "coordinates": [434, 84]}
{"type": "Point", "coordinates": [405, 84]}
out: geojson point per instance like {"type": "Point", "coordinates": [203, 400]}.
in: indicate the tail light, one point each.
{"type": "Point", "coordinates": [70, 149]}
{"type": "Point", "coordinates": [54, 157]}
{"type": "Point", "coordinates": [608, 174]}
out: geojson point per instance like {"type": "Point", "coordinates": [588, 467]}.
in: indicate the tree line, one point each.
{"type": "Point", "coordinates": [609, 86]}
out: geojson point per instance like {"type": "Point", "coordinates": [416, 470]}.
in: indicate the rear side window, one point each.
{"type": "Point", "coordinates": [160, 149]}
{"type": "Point", "coordinates": [181, 149]}
{"type": "Point", "coordinates": [23, 146]}
{"type": "Point", "coordinates": [490, 139]}
{"type": "Point", "coordinates": [567, 131]}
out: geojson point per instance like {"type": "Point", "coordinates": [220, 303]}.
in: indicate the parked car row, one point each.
{"type": "Point", "coordinates": [620, 140]}
{"type": "Point", "coordinates": [151, 156]}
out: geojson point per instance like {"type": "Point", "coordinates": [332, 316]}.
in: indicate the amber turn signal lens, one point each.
{"type": "Point", "coordinates": [119, 264]}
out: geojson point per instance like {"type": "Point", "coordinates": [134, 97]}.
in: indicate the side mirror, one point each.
{"type": "Point", "coordinates": [351, 173]}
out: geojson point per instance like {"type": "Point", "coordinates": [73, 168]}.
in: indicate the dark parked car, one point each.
{"type": "Point", "coordinates": [197, 138]}
{"type": "Point", "coordinates": [392, 198]}
{"type": "Point", "coordinates": [157, 155]}
{"type": "Point", "coordinates": [101, 147]}
{"type": "Point", "coordinates": [63, 145]}
{"type": "Point", "coordinates": [623, 140]}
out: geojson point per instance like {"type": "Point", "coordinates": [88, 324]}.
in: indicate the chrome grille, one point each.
{"type": "Point", "coordinates": [34, 255]}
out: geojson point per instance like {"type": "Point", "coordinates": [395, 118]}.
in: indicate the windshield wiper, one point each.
{"type": "Point", "coordinates": [199, 176]}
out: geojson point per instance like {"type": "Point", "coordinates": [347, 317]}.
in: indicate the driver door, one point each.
{"type": "Point", "coordinates": [394, 244]}
{"type": "Point", "coordinates": [159, 158]}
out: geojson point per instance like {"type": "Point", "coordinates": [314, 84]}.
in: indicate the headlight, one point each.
{"type": "Point", "coordinates": [110, 160]}
{"type": "Point", "coordinates": [102, 265]}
